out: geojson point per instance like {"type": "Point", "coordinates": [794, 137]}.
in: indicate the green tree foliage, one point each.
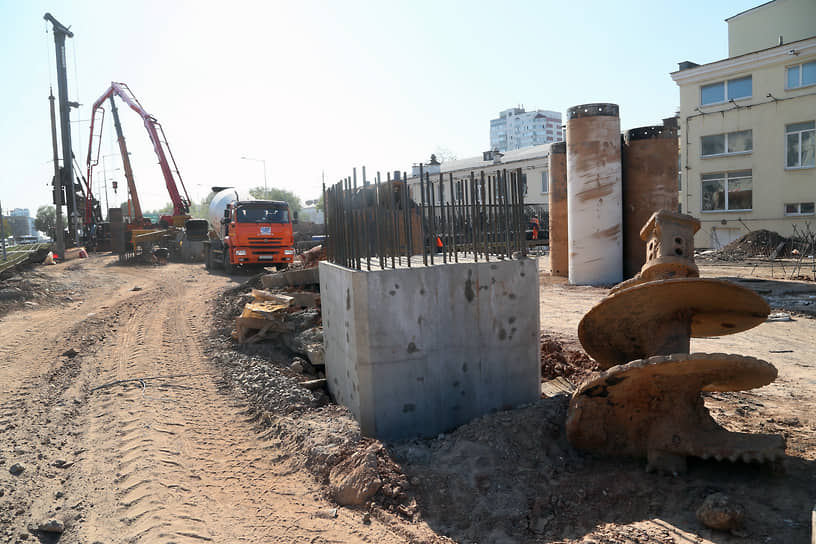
{"type": "Point", "coordinates": [278, 194]}
{"type": "Point", "coordinates": [6, 227]}
{"type": "Point", "coordinates": [46, 220]}
{"type": "Point", "coordinates": [167, 209]}
{"type": "Point", "coordinates": [199, 210]}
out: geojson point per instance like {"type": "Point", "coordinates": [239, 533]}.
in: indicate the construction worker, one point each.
{"type": "Point", "coordinates": [534, 226]}
{"type": "Point", "coordinates": [439, 246]}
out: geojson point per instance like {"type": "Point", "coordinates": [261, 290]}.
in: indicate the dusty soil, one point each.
{"type": "Point", "coordinates": [161, 429]}
{"type": "Point", "coordinates": [135, 438]}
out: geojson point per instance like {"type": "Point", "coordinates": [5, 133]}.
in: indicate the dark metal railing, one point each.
{"type": "Point", "coordinates": [380, 225]}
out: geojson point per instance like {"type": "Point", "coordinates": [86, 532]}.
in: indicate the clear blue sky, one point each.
{"type": "Point", "coordinates": [327, 86]}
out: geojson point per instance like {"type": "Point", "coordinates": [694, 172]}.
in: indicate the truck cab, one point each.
{"type": "Point", "coordinates": [260, 232]}
{"type": "Point", "coordinates": [252, 233]}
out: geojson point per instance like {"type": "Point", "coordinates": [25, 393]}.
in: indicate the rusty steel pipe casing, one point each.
{"type": "Point", "coordinates": [594, 195]}
{"type": "Point", "coordinates": [559, 246]}
{"type": "Point", "coordinates": [650, 169]}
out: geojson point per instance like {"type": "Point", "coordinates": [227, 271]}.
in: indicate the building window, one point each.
{"type": "Point", "coordinates": [799, 208]}
{"type": "Point", "coordinates": [545, 181]}
{"type": "Point", "coordinates": [801, 75]}
{"type": "Point", "coordinates": [733, 89]}
{"type": "Point", "coordinates": [800, 145]}
{"type": "Point", "coordinates": [726, 144]}
{"type": "Point", "coordinates": [727, 191]}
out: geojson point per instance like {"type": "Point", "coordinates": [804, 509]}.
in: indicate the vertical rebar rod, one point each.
{"type": "Point", "coordinates": [391, 222]}
{"type": "Point", "coordinates": [507, 223]}
{"type": "Point", "coordinates": [442, 224]}
{"type": "Point", "coordinates": [347, 220]}
{"type": "Point", "coordinates": [422, 213]}
{"type": "Point", "coordinates": [431, 203]}
{"type": "Point", "coordinates": [325, 225]}
{"type": "Point", "coordinates": [377, 235]}
{"type": "Point", "coordinates": [455, 228]}
{"type": "Point", "coordinates": [520, 226]}
{"type": "Point", "coordinates": [514, 209]}
{"type": "Point", "coordinates": [473, 229]}
{"type": "Point", "coordinates": [409, 220]}
{"type": "Point", "coordinates": [354, 245]}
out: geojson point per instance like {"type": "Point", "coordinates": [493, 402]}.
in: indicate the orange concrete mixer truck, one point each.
{"type": "Point", "coordinates": [246, 233]}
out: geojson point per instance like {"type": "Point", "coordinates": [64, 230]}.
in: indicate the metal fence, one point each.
{"type": "Point", "coordinates": [380, 225]}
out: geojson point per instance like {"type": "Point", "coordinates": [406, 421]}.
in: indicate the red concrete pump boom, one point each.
{"type": "Point", "coordinates": [172, 177]}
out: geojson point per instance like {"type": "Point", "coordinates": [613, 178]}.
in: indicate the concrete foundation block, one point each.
{"type": "Point", "coordinates": [416, 352]}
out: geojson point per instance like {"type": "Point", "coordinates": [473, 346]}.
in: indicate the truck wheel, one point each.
{"type": "Point", "coordinates": [229, 268]}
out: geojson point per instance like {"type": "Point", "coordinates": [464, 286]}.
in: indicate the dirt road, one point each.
{"type": "Point", "coordinates": [131, 438]}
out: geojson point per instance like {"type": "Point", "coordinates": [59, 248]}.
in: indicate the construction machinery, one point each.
{"type": "Point", "coordinates": [136, 234]}
{"type": "Point", "coordinates": [248, 232]}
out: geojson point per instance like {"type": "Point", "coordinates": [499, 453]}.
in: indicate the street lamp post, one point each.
{"type": "Point", "coordinates": [264, 168]}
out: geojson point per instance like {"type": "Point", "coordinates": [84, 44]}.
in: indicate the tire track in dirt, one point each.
{"type": "Point", "coordinates": [171, 458]}
{"type": "Point", "coordinates": [188, 467]}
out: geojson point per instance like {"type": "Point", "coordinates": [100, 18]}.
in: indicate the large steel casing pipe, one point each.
{"type": "Point", "coordinates": [559, 247]}
{"type": "Point", "coordinates": [650, 169]}
{"type": "Point", "coordinates": [594, 195]}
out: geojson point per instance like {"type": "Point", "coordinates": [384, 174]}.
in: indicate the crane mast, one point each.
{"type": "Point", "coordinates": [120, 138]}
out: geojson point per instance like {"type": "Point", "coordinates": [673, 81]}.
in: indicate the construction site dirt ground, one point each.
{"type": "Point", "coordinates": [126, 415]}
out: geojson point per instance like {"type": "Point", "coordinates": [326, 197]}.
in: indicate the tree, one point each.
{"type": "Point", "coordinates": [46, 220]}
{"type": "Point", "coordinates": [164, 210]}
{"type": "Point", "coordinates": [200, 210]}
{"type": "Point", "coordinates": [319, 204]}
{"type": "Point", "coordinates": [6, 227]}
{"type": "Point", "coordinates": [278, 194]}
{"type": "Point", "coordinates": [444, 154]}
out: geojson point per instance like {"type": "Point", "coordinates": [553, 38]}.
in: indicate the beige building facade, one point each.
{"type": "Point", "coordinates": [748, 127]}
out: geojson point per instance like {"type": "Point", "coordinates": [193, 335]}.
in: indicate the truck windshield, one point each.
{"type": "Point", "coordinates": [263, 214]}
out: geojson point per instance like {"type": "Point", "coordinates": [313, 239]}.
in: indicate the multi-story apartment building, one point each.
{"type": "Point", "coordinates": [748, 126]}
{"type": "Point", "coordinates": [516, 128]}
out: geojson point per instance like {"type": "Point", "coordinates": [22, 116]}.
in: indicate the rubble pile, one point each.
{"type": "Point", "coordinates": [282, 374]}
{"type": "Point", "coordinates": [31, 288]}
{"type": "Point", "coordinates": [755, 244]}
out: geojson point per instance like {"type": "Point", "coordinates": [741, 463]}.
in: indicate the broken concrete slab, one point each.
{"type": "Point", "coordinates": [274, 281]}
{"type": "Point", "coordinates": [310, 344]}
{"type": "Point", "coordinates": [307, 276]}
{"type": "Point", "coordinates": [291, 278]}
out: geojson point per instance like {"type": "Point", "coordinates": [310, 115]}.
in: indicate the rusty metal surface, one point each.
{"type": "Point", "coordinates": [378, 225]}
{"type": "Point", "coordinates": [653, 408]}
{"type": "Point", "coordinates": [634, 323]}
{"type": "Point", "coordinates": [593, 110]}
{"type": "Point", "coordinates": [650, 182]}
{"type": "Point", "coordinates": [648, 402]}
{"type": "Point", "coordinates": [558, 231]}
